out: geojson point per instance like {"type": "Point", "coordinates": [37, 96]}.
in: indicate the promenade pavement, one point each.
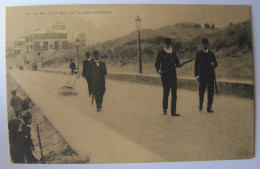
{"type": "Point", "coordinates": [132, 127]}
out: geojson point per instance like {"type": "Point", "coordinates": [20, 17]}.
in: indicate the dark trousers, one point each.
{"type": "Point", "coordinates": [90, 88]}
{"type": "Point", "coordinates": [169, 83]}
{"type": "Point", "coordinates": [17, 156]}
{"type": "Point", "coordinates": [30, 159]}
{"type": "Point", "coordinates": [73, 71]}
{"type": "Point", "coordinates": [16, 141]}
{"type": "Point", "coordinates": [209, 83]}
{"type": "Point", "coordinates": [99, 94]}
{"type": "Point", "coordinates": [17, 151]}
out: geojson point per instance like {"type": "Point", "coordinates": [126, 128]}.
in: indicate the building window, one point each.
{"type": "Point", "coordinates": [56, 45]}
{"type": "Point", "coordinates": [45, 45]}
{"type": "Point", "coordinates": [64, 44]}
{"type": "Point", "coordinates": [37, 46]}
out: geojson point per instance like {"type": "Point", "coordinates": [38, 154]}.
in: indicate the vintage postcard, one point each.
{"type": "Point", "coordinates": [102, 84]}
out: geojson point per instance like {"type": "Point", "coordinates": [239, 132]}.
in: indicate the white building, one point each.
{"type": "Point", "coordinates": [56, 38]}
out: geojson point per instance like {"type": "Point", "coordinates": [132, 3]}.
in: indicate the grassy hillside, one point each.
{"type": "Point", "coordinates": [232, 46]}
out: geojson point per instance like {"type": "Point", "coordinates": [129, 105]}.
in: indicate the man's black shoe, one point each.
{"type": "Point", "coordinates": [164, 112]}
{"type": "Point", "coordinates": [98, 109]}
{"type": "Point", "coordinates": [175, 114]}
{"type": "Point", "coordinates": [200, 108]}
{"type": "Point", "coordinates": [210, 111]}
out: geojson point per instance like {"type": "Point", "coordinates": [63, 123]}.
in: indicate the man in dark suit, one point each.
{"type": "Point", "coordinates": [98, 72]}
{"type": "Point", "coordinates": [205, 73]}
{"type": "Point", "coordinates": [165, 65]}
{"type": "Point", "coordinates": [72, 66]}
{"type": "Point", "coordinates": [86, 71]}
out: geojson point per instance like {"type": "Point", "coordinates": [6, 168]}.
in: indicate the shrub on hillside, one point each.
{"type": "Point", "coordinates": [240, 34]}
{"type": "Point", "coordinates": [188, 25]}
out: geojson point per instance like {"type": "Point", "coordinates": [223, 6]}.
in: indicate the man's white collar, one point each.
{"type": "Point", "coordinates": [206, 51]}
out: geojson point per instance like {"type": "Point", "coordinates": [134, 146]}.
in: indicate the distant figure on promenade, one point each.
{"type": "Point", "coordinates": [98, 72]}
{"type": "Point", "coordinates": [16, 103]}
{"type": "Point", "coordinates": [35, 67]}
{"type": "Point", "coordinates": [86, 71]}
{"type": "Point", "coordinates": [205, 63]}
{"type": "Point", "coordinates": [165, 65]}
{"type": "Point", "coordinates": [72, 66]}
{"type": "Point", "coordinates": [32, 151]}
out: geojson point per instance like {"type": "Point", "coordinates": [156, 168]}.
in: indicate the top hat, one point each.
{"type": "Point", "coordinates": [167, 41]}
{"type": "Point", "coordinates": [205, 41]}
{"type": "Point", "coordinates": [87, 54]}
{"type": "Point", "coordinates": [95, 53]}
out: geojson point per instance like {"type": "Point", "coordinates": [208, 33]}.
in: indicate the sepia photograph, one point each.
{"type": "Point", "coordinates": [129, 83]}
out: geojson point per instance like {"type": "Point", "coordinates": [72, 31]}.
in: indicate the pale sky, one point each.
{"type": "Point", "coordinates": [120, 18]}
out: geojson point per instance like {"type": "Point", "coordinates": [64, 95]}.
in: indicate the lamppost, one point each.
{"type": "Point", "coordinates": [77, 45]}
{"type": "Point", "coordinates": [54, 52]}
{"type": "Point", "coordinates": [138, 25]}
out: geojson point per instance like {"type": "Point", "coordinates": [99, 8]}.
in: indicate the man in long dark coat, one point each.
{"type": "Point", "coordinates": [86, 71]}
{"type": "Point", "coordinates": [165, 65]}
{"type": "Point", "coordinates": [98, 72]}
{"type": "Point", "coordinates": [16, 141]}
{"type": "Point", "coordinates": [205, 73]}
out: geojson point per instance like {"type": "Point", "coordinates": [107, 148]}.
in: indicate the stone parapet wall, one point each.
{"type": "Point", "coordinates": [226, 87]}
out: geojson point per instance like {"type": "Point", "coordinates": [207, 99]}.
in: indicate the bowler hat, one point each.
{"type": "Point", "coordinates": [167, 41]}
{"type": "Point", "coordinates": [13, 91]}
{"type": "Point", "coordinates": [205, 41]}
{"type": "Point", "coordinates": [27, 115]}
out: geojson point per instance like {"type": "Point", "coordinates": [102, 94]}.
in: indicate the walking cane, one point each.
{"type": "Point", "coordinates": [42, 158]}
{"type": "Point", "coordinates": [216, 85]}
{"type": "Point", "coordinates": [93, 96]}
{"type": "Point", "coordinates": [177, 66]}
